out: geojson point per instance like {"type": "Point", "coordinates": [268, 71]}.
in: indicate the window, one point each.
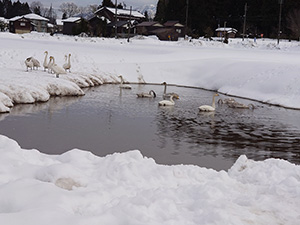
{"type": "Point", "coordinates": [22, 24]}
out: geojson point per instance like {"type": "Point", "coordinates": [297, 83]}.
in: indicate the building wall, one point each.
{"type": "Point", "coordinates": [20, 26]}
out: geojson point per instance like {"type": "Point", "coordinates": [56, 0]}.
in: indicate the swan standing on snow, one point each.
{"type": "Point", "coordinates": [168, 102]}
{"type": "Point", "coordinates": [50, 64]}
{"type": "Point", "coordinates": [55, 68]}
{"type": "Point", "coordinates": [36, 63]}
{"type": "Point", "coordinates": [208, 108]}
{"type": "Point", "coordinates": [122, 85]}
{"type": "Point", "coordinates": [151, 94]}
{"type": "Point", "coordinates": [29, 63]}
{"type": "Point", "coordinates": [67, 65]}
{"type": "Point", "coordinates": [168, 95]}
{"type": "Point", "coordinates": [45, 64]}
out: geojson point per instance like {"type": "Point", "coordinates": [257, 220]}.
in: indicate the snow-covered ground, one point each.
{"type": "Point", "coordinates": [80, 188]}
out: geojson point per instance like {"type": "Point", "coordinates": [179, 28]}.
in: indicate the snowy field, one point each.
{"type": "Point", "coordinates": [78, 187]}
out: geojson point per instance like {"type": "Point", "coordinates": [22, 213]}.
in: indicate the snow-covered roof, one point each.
{"type": "Point", "coordinates": [123, 12]}
{"type": "Point", "coordinates": [33, 16]}
{"type": "Point", "coordinates": [50, 25]}
{"type": "Point", "coordinates": [15, 18]}
{"type": "Point", "coordinates": [3, 20]}
{"type": "Point", "coordinates": [30, 16]}
{"type": "Point", "coordinates": [227, 29]}
{"type": "Point", "coordinates": [71, 20]}
{"type": "Point", "coordinates": [59, 22]}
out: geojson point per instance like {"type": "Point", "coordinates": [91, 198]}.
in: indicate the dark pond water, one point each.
{"type": "Point", "coordinates": [108, 120]}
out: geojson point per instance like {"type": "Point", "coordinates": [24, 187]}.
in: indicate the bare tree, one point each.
{"type": "Point", "coordinates": [69, 8]}
{"type": "Point", "coordinates": [37, 7]}
{"type": "Point", "coordinates": [293, 22]}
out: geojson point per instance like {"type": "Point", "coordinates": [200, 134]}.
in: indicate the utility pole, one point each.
{"type": "Point", "coordinates": [129, 24]}
{"type": "Point", "coordinates": [186, 16]}
{"type": "Point", "coordinates": [279, 23]}
{"type": "Point", "coordinates": [245, 15]}
{"type": "Point", "coordinates": [116, 32]}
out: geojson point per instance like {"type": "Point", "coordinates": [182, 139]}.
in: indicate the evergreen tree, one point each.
{"type": "Point", "coordinates": [107, 3]}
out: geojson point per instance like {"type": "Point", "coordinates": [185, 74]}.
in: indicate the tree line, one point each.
{"type": "Point", "coordinates": [262, 16]}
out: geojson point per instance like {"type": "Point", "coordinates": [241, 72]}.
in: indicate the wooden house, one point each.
{"type": "Point", "coordinates": [20, 25]}
{"type": "Point", "coordinates": [146, 28]}
{"type": "Point", "coordinates": [176, 26]}
{"type": "Point", "coordinates": [40, 24]}
{"type": "Point", "coordinates": [166, 34]}
{"type": "Point", "coordinates": [121, 15]}
{"type": "Point", "coordinates": [70, 25]}
{"type": "Point", "coordinates": [122, 29]}
{"type": "Point", "coordinates": [27, 23]}
{"type": "Point", "coordinates": [226, 32]}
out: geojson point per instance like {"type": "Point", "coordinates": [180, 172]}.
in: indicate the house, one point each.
{"type": "Point", "coordinates": [122, 28]}
{"type": "Point", "coordinates": [27, 23]}
{"type": "Point", "coordinates": [121, 15]}
{"type": "Point", "coordinates": [176, 26]}
{"type": "Point", "coordinates": [146, 28]}
{"type": "Point", "coordinates": [70, 25]}
{"type": "Point", "coordinates": [166, 34]}
{"type": "Point", "coordinates": [226, 32]}
{"type": "Point", "coordinates": [98, 25]}
{"type": "Point", "coordinates": [59, 26]}
{"type": "Point", "coordinates": [39, 23]}
{"type": "Point", "coordinates": [20, 25]}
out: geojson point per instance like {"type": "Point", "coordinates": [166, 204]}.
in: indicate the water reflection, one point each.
{"type": "Point", "coordinates": [108, 119]}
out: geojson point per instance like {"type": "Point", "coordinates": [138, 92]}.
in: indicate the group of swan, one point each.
{"type": "Point", "coordinates": [232, 103]}
{"type": "Point", "coordinates": [50, 65]}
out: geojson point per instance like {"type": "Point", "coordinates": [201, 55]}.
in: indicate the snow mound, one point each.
{"type": "Point", "coordinates": [78, 187]}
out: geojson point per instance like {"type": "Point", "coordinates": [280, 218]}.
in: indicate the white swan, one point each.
{"type": "Point", "coordinates": [29, 63]}
{"type": "Point", "coordinates": [36, 63]}
{"type": "Point", "coordinates": [151, 94]}
{"type": "Point", "coordinates": [208, 108]}
{"type": "Point", "coordinates": [55, 68]}
{"type": "Point", "coordinates": [45, 64]}
{"type": "Point", "coordinates": [122, 85]}
{"type": "Point", "coordinates": [168, 95]}
{"type": "Point", "coordinates": [50, 64]}
{"type": "Point", "coordinates": [67, 66]}
{"type": "Point", "coordinates": [168, 102]}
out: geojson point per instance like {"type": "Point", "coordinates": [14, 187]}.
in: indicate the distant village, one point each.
{"type": "Point", "coordinates": [105, 22]}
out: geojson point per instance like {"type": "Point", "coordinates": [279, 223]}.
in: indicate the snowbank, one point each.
{"type": "Point", "coordinates": [261, 70]}
{"type": "Point", "coordinates": [78, 187]}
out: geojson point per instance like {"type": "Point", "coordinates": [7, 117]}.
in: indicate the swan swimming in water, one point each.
{"type": "Point", "coordinates": [238, 105]}
{"type": "Point", "coordinates": [55, 68]}
{"type": "Point", "coordinates": [122, 85]}
{"type": "Point", "coordinates": [168, 95]}
{"type": "Point", "coordinates": [67, 65]}
{"type": "Point", "coordinates": [168, 102]}
{"type": "Point", "coordinates": [209, 108]}
{"type": "Point", "coordinates": [151, 94]}
{"type": "Point", "coordinates": [226, 101]}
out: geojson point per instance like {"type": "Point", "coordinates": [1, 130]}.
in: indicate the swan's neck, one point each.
{"type": "Point", "coordinates": [165, 90]}
{"type": "Point", "coordinates": [46, 55]}
{"type": "Point", "coordinates": [213, 102]}
{"type": "Point", "coordinates": [171, 99]}
{"type": "Point", "coordinates": [69, 59]}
